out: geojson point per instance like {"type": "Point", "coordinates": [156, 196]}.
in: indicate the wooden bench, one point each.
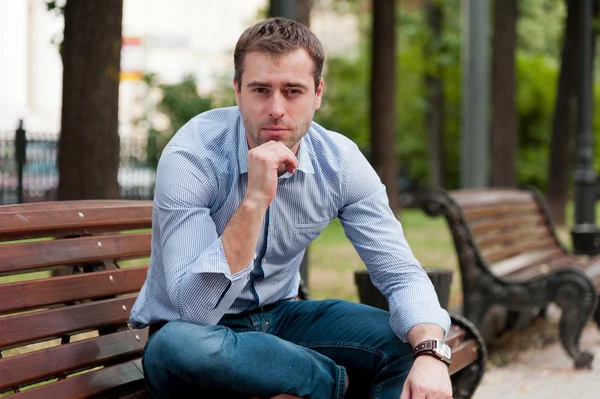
{"type": "Point", "coordinates": [64, 328]}
{"type": "Point", "coordinates": [469, 353]}
{"type": "Point", "coordinates": [512, 261]}
{"type": "Point", "coordinates": [69, 274]}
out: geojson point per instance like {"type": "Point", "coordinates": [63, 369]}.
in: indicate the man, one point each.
{"type": "Point", "coordinates": [240, 193]}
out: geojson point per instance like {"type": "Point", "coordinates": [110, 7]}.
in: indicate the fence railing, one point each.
{"type": "Point", "coordinates": [29, 171]}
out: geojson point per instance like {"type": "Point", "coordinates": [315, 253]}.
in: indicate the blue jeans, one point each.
{"type": "Point", "coordinates": [303, 348]}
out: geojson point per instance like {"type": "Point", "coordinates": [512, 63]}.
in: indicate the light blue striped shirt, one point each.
{"type": "Point", "coordinates": [201, 180]}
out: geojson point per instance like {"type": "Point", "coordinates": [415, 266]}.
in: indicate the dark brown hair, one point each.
{"type": "Point", "coordinates": [278, 36]}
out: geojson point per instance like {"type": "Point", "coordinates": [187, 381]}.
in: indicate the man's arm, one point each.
{"type": "Point", "coordinates": [242, 231]}
{"type": "Point", "coordinates": [415, 312]}
{"type": "Point", "coordinates": [206, 272]}
{"type": "Point", "coordinates": [379, 240]}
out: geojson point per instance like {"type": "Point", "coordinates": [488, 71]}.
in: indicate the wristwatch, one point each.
{"type": "Point", "coordinates": [436, 348]}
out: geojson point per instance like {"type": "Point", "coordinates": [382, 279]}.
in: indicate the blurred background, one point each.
{"type": "Point", "coordinates": [437, 94]}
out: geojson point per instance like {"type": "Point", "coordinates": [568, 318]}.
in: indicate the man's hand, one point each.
{"type": "Point", "coordinates": [265, 163]}
{"type": "Point", "coordinates": [428, 379]}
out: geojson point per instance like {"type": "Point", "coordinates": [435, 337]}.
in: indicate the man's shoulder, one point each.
{"type": "Point", "coordinates": [209, 133]}
{"type": "Point", "coordinates": [209, 139]}
{"type": "Point", "coordinates": [330, 145]}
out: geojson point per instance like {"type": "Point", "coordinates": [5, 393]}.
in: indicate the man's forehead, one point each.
{"type": "Point", "coordinates": [297, 58]}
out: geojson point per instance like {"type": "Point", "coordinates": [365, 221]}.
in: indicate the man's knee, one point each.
{"type": "Point", "coordinates": [186, 349]}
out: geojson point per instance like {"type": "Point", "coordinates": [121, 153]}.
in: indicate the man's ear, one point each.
{"type": "Point", "coordinates": [237, 92]}
{"type": "Point", "coordinates": [319, 94]}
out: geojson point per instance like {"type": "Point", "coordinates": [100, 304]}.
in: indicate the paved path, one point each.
{"type": "Point", "coordinates": [545, 373]}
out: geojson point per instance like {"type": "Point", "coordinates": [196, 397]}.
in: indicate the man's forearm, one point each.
{"type": "Point", "coordinates": [424, 332]}
{"type": "Point", "coordinates": [241, 234]}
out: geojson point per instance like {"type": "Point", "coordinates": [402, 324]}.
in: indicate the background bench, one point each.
{"type": "Point", "coordinates": [511, 259]}
{"type": "Point", "coordinates": [74, 270]}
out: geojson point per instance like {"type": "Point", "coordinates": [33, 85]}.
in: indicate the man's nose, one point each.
{"type": "Point", "coordinates": [277, 106]}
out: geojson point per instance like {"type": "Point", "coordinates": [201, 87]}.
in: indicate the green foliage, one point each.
{"type": "Point", "coordinates": [57, 6]}
{"type": "Point", "coordinates": [536, 92]}
{"type": "Point", "coordinates": [539, 26]}
{"type": "Point", "coordinates": [346, 98]}
{"type": "Point", "coordinates": [345, 107]}
{"type": "Point", "coordinates": [179, 102]}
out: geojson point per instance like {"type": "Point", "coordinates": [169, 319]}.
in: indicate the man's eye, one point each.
{"type": "Point", "coordinates": [260, 90]}
{"type": "Point", "coordinates": [294, 92]}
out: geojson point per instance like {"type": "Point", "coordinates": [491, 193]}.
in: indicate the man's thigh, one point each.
{"type": "Point", "coordinates": [355, 336]}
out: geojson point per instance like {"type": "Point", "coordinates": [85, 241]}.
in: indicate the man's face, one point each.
{"type": "Point", "coordinates": [277, 97]}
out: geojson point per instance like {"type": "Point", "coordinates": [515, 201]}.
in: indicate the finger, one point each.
{"type": "Point", "coordinates": [273, 154]}
{"type": "Point", "coordinates": [405, 391]}
{"type": "Point", "coordinates": [285, 156]}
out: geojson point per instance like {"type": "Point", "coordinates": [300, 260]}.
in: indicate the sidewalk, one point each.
{"type": "Point", "coordinates": [546, 373]}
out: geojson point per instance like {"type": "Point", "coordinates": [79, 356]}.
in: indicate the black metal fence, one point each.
{"type": "Point", "coordinates": [29, 172]}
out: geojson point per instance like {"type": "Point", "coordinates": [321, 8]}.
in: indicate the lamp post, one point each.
{"type": "Point", "coordinates": [586, 236]}
{"type": "Point", "coordinates": [475, 132]}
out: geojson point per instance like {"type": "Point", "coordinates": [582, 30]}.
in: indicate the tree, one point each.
{"type": "Point", "coordinates": [564, 121]}
{"type": "Point", "coordinates": [504, 109]}
{"type": "Point", "coordinates": [434, 87]}
{"type": "Point", "coordinates": [383, 106]}
{"type": "Point", "coordinates": [88, 150]}
{"type": "Point", "coordinates": [303, 9]}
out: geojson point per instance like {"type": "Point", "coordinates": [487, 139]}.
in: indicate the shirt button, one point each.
{"type": "Point", "coordinates": [271, 228]}
{"type": "Point", "coordinates": [255, 256]}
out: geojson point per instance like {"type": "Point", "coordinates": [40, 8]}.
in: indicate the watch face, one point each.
{"type": "Point", "coordinates": [443, 350]}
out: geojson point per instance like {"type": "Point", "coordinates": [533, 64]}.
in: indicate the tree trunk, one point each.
{"type": "Point", "coordinates": [434, 86]}
{"type": "Point", "coordinates": [303, 8]}
{"type": "Point", "coordinates": [383, 105]}
{"type": "Point", "coordinates": [504, 115]}
{"type": "Point", "coordinates": [565, 117]}
{"type": "Point", "coordinates": [88, 152]}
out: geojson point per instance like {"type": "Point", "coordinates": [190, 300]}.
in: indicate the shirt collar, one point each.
{"type": "Point", "coordinates": [304, 154]}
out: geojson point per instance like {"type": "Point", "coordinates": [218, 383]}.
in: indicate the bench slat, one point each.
{"type": "Point", "coordinates": [486, 227]}
{"type": "Point", "coordinates": [463, 355]}
{"type": "Point", "coordinates": [498, 210]}
{"type": "Point", "coordinates": [455, 336]}
{"type": "Point", "coordinates": [557, 262]}
{"type": "Point", "coordinates": [470, 198]}
{"type": "Point", "coordinates": [34, 224]}
{"type": "Point", "coordinates": [518, 235]}
{"type": "Point", "coordinates": [70, 205]}
{"type": "Point", "coordinates": [28, 368]}
{"type": "Point", "coordinates": [90, 384]}
{"type": "Point", "coordinates": [139, 395]}
{"type": "Point", "coordinates": [511, 251]}
{"type": "Point", "coordinates": [523, 261]}
{"type": "Point", "coordinates": [15, 258]}
{"type": "Point", "coordinates": [36, 326]}
{"type": "Point", "coordinates": [51, 291]}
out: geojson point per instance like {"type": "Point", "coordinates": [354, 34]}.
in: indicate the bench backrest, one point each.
{"type": "Point", "coordinates": [507, 231]}
{"type": "Point", "coordinates": [69, 274]}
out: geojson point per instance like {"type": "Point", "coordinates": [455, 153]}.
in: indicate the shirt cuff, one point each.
{"type": "Point", "coordinates": [213, 260]}
{"type": "Point", "coordinates": [408, 315]}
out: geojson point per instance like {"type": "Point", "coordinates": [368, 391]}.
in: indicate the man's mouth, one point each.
{"type": "Point", "coordinates": [275, 130]}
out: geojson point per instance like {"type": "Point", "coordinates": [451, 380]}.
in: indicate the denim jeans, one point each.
{"type": "Point", "coordinates": [304, 348]}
